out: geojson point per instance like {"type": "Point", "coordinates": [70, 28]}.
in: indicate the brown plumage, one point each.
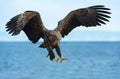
{"type": "Point", "coordinates": [30, 22]}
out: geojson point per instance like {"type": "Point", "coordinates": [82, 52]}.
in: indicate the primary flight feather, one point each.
{"type": "Point", "coordinates": [31, 23]}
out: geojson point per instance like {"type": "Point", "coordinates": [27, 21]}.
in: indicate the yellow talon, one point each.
{"type": "Point", "coordinates": [55, 59]}
{"type": "Point", "coordinates": [63, 58]}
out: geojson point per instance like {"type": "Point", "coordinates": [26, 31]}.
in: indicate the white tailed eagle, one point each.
{"type": "Point", "coordinates": [30, 22]}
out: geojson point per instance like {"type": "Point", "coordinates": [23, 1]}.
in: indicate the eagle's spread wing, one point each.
{"type": "Point", "coordinates": [91, 16]}
{"type": "Point", "coordinates": [30, 22]}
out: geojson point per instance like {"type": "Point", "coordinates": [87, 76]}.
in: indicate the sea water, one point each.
{"type": "Point", "coordinates": [86, 60]}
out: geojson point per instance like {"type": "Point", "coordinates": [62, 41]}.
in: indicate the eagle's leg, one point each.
{"type": "Point", "coordinates": [59, 53]}
{"type": "Point", "coordinates": [51, 54]}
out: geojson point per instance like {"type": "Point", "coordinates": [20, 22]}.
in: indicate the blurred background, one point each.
{"type": "Point", "coordinates": [93, 53]}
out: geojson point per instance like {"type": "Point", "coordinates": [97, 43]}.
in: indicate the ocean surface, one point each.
{"type": "Point", "coordinates": [86, 60]}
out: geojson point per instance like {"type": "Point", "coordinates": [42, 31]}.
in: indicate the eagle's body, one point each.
{"type": "Point", "coordinates": [52, 38]}
{"type": "Point", "coordinates": [30, 22]}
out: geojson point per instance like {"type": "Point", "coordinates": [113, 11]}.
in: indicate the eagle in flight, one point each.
{"type": "Point", "coordinates": [31, 23]}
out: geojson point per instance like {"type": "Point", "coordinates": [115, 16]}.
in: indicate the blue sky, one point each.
{"type": "Point", "coordinates": [54, 10]}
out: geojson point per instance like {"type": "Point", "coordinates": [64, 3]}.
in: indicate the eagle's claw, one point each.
{"type": "Point", "coordinates": [63, 58]}
{"type": "Point", "coordinates": [55, 59]}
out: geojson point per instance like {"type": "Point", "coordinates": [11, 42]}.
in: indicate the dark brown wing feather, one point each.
{"type": "Point", "coordinates": [88, 17]}
{"type": "Point", "coordinates": [30, 22]}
